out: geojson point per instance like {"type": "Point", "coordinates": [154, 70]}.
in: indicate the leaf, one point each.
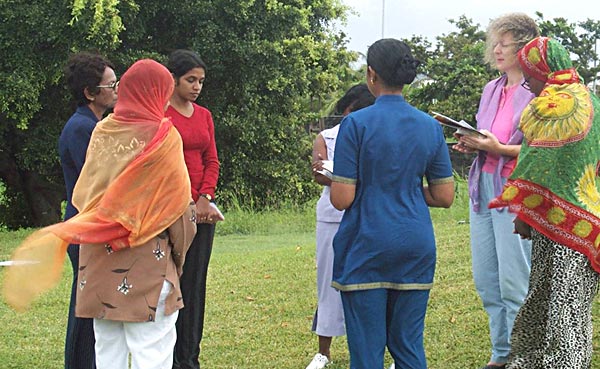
{"type": "Point", "coordinates": [120, 271]}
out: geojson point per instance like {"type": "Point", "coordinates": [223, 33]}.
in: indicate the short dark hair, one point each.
{"type": "Point", "coordinates": [357, 97]}
{"type": "Point", "coordinates": [393, 62]}
{"type": "Point", "coordinates": [85, 70]}
{"type": "Point", "coordinates": [182, 61]}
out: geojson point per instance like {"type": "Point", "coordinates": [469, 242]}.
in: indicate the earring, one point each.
{"type": "Point", "coordinates": [372, 81]}
{"type": "Point", "coordinates": [92, 99]}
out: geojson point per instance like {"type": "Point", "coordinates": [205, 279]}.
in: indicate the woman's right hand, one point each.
{"type": "Point", "coordinates": [461, 146]}
{"type": "Point", "coordinates": [488, 142]}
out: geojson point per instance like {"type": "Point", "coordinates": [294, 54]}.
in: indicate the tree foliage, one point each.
{"type": "Point", "coordinates": [454, 69]}
{"type": "Point", "coordinates": [35, 40]}
{"type": "Point", "coordinates": [580, 39]}
{"type": "Point", "coordinates": [267, 60]}
{"type": "Point", "coordinates": [456, 73]}
{"type": "Point", "coordinates": [273, 67]}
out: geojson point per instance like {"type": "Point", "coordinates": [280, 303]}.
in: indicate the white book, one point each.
{"type": "Point", "coordinates": [327, 170]}
{"type": "Point", "coordinates": [221, 216]}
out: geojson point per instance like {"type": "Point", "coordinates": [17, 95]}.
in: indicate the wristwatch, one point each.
{"type": "Point", "coordinates": [206, 196]}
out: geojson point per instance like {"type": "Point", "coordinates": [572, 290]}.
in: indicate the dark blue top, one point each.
{"type": "Point", "coordinates": [386, 239]}
{"type": "Point", "coordinates": [72, 147]}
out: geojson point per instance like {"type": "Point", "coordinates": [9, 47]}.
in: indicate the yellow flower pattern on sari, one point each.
{"type": "Point", "coordinates": [510, 192]}
{"type": "Point", "coordinates": [587, 190]}
{"type": "Point", "coordinates": [556, 215]}
{"type": "Point", "coordinates": [561, 114]}
{"type": "Point", "coordinates": [533, 201]}
{"type": "Point", "coordinates": [554, 186]}
{"type": "Point", "coordinates": [534, 56]}
{"type": "Point", "coordinates": [582, 228]}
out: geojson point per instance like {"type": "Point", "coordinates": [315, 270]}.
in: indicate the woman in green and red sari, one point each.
{"type": "Point", "coordinates": [554, 191]}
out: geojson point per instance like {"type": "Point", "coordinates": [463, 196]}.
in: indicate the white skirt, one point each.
{"type": "Point", "coordinates": [329, 317]}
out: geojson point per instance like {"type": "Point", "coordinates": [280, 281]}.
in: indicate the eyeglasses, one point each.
{"type": "Point", "coordinates": [525, 84]}
{"type": "Point", "coordinates": [113, 85]}
{"type": "Point", "coordinates": [504, 46]}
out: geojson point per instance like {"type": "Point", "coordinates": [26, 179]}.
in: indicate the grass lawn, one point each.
{"type": "Point", "coordinates": [262, 295]}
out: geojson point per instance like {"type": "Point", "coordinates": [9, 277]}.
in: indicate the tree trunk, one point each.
{"type": "Point", "coordinates": [33, 199]}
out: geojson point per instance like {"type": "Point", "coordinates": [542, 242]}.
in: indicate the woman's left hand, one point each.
{"type": "Point", "coordinates": [523, 229]}
{"type": "Point", "coordinates": [206, 213]}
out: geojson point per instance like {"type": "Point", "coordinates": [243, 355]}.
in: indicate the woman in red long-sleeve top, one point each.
{"type": "Point", "coordinates": [196, 128]}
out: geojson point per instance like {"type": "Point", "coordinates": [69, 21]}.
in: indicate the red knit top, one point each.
{"type": "Point", "coordinates": [199, 148]}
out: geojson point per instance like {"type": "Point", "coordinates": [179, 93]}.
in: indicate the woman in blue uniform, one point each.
{"type": "Point", "coordinates": [385, 248]}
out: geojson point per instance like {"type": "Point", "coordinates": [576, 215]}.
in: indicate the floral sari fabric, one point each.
{"type": "Point", "coordinates": [554, 187]}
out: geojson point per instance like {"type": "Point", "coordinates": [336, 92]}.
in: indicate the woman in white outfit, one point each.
{"type": "Point", "coordinates": [328, 321]}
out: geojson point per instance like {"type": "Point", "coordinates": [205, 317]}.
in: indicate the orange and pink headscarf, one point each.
{"type": "Point", "coordinates": [134, 185]}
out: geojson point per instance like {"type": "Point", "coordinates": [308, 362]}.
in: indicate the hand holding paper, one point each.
{"type": "Point", "coordinates": [326, 168]}
{"type": "Point", "coordinates": [220, 215]}
{"type": "Point", "coordinates": [462, 128]}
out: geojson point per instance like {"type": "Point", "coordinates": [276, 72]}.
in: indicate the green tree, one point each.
{"type": "Point", "coordinates": [456, 74]}
{"type": "Point", "coordinates": [455, 71]}
{"type": "Point", "coordinates": [266, 59]}
{"type": "Point", "coordinates": [580, 39]}
{"type": "Point", "coordinates": [35, 40]}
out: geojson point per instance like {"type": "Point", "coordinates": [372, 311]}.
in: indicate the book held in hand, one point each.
{"type": "Point", "coordinates": [461, 127]}
{"type": "Point", "coordinates": [221, 216]}
{"type": "Point", "coordinates": [327, 170]}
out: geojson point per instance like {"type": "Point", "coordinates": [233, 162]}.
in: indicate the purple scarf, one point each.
{"type": "Point", "coordinates": [488, 107]}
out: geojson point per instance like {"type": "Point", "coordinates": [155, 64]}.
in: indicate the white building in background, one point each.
{"type": "Point", "coordinates": [421, 80]}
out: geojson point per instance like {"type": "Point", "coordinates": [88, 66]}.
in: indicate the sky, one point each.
{"type": "Point", "coordinates": [429, 18]}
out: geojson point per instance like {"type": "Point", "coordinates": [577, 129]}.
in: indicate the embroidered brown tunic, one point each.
{"type": "Point", "coordinates": [125, 285]}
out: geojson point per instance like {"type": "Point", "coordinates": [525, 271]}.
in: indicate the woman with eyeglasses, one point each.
{"type": "Point", "coordinates": [554, 193]}
{"type": "Point", "coordinates": [197, 130]}
{"type": "Point", "coordinates": [93, 85]}
{"type": "Point", "coordinates": [500, 259]}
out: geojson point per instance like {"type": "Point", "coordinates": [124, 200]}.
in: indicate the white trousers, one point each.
{"type": "Point", "coordinates": [149, 343]}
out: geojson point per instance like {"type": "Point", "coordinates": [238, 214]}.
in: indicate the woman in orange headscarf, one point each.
{"type": "Point", "coordinates": [135, 224]}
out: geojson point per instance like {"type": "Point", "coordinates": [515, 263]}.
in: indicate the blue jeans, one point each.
{"type": "Point", "coordinates": [501, 265]}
